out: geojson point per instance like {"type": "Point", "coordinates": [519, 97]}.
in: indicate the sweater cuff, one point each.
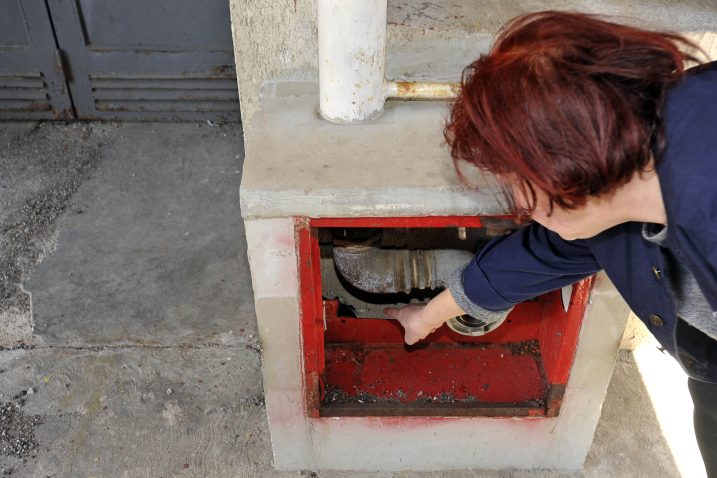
{"type": "Point", "coordinates": [455, 285]}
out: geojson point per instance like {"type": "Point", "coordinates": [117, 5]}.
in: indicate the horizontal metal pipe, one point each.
{"type": "Point", "coordinates": [422, 90]}
{"type": "Point", "coordinates": [352, 57]}
{"type": "Point", "coordinates": [388, 271]}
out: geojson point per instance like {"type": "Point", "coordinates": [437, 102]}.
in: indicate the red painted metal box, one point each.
{"type": "Point", "coordinates": [360, 366]}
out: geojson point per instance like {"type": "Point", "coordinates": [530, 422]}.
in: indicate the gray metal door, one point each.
{"type": "Point", "coordinates": [32, 85]}
{"type": "Point", "coordinates": [139, 59]}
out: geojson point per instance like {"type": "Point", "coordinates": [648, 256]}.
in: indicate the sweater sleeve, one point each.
{"type": "Point", "coordinates": [455, 286]}
{"type": "Point", "coordinates": [520, 266]}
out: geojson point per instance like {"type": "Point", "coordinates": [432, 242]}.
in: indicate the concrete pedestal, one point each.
{"type": "Point", "coordinates": [302, 166]}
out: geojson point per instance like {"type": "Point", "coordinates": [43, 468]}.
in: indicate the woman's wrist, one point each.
{"type": "Point", "coordinates": [440, 309]}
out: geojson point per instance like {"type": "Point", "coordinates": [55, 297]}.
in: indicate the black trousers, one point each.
{"type": "Point", "coordinates": [704, 396]}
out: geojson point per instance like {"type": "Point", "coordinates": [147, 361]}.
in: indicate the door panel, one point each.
{"type": "Point", "coordinates": [176, 25]}
{"type": "Point", "coordinates": [32, 84]}
{"type": "Point", "coordinates": [139, 60]}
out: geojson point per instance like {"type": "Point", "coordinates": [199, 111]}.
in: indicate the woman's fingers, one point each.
{"type": "Point", "coordinates": [410, 319]}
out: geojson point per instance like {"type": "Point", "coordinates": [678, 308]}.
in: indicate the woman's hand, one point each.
{"type": "Point", "coordinates": [419, 320]}
{"type": "Point", "coordinates": [416, 324]}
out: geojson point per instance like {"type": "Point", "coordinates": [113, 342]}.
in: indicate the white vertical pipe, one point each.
{"type": "Point", "coordinates": [352, 57]}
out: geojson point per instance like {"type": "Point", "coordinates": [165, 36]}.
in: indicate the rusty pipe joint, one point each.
{"type": "Point", "coordinates": [388, 271]}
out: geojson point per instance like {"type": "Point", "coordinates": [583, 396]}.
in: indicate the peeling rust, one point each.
{"type": "Point", "coordinates": [62, 114]}
{"type": "Point", "coordinates": [555, 400]}
{"type": "Point", "coordinates": [221, 69]}
{"type": "Point", "coordinates": [425, 90]}
{"type": "Point", "coordinates": [432, 409]}
{"type": "Point", "coordinates": [528, 347]}
{"type": "Point", "coordinates": [36, 107]}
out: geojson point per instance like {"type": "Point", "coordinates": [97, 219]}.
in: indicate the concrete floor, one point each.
{"type": "Point", "coordinates": [127, 327]}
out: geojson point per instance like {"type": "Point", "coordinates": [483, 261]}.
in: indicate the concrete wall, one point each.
{"type": "Point", "coordinates": [273, 39]}
{"type": "Point", "coordinates": [277, 39]}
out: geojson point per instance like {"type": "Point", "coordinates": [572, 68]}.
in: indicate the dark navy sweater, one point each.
{"type": "Point", "coordinates": [534, 260]}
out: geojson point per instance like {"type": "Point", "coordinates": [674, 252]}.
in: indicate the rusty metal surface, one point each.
{"type": "Point", "coordinates": [423, 90]}
{"type": "Point", "coordinates": [433, 373]}
{"type": "Point", "coordinates": [366, 363]}
{"type": "Point", "coordinates": [428, 410]}
{"type": "Point", "coordinates": [555, 399]}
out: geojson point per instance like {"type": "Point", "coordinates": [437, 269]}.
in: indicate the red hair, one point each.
{"type": "Point", "coordinates": [566, 103]}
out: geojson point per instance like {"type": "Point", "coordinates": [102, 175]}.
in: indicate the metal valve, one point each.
{"type": "Point", "coordinates": [469, 325]}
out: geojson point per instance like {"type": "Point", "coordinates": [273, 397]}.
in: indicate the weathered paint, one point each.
{"type": "Point", "coordinates": [312, 318]}
{"type": "Point", "coordinates": [33, 82]}
{"type": "Point", "coordinates": [560, 329]}
{"type": "Point", "coordinates": [453, 376]}
{"type": "Point", "coordinates": [422, 90]}
{"type": "Point", "coordinates": [137, 60]}
{"type": "Point", "coordinates": [352, 58]}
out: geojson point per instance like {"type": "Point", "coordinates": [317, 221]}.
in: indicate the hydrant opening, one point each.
{"type": "Point", "coordinates": [356, 361]}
